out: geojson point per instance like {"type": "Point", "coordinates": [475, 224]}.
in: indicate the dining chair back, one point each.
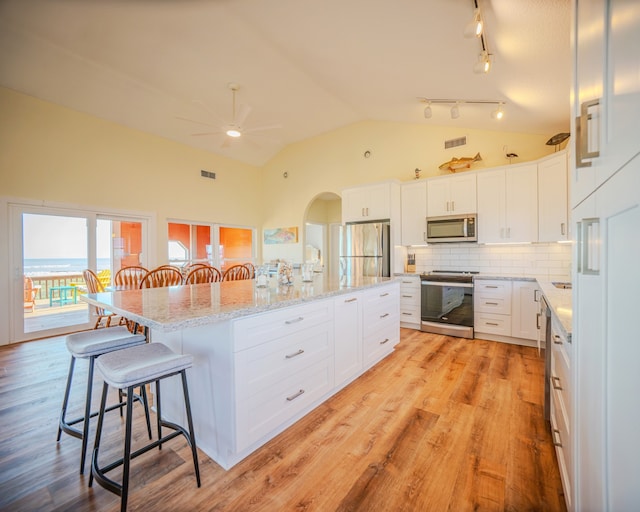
{"type": "Point", "coordinates": [252, 269]}
{"type": "Point", "coordinates": [162, 276]}
{"type": "Point", "coordinates": [103, 317]}
{"type": "Point", "coordinates": [236, 273]}
{"type": "Point", "coordinates": [130, 277]}
{"type": "Point", "coordinates": [203, 274]}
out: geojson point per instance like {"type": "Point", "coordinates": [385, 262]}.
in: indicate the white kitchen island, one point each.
{"type": "Point", "coordinates": [263, 357]}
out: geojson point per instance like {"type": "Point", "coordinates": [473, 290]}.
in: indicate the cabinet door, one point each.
{"type": "Point", "coordinates": [491, 206]}
{"type": "Point", "coordinates": [524, 310]}
{"type": "Point", "coordinates": [378, 201]}
{"type": "Point", "coordinates": [521, 204]}
{"type": "Point", "coordinates": [348, 337]}
{"type": "Point", "coordinates": [438, 202]}
{"type": "Point", "coordinates": [552, 199]}
{"type": "Point", "coordinates": [463, 193]}
{"type": "Point", "coordinates": [353, 204]}
{"type": "Point", "coordinates": [414, 213]}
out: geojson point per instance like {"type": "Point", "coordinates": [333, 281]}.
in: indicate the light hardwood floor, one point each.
{"type": "Point", "coordinates": [442, 424]}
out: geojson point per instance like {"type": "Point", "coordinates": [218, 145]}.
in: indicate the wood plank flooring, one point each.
{"type": "Point", "coordinates": [442, 424]}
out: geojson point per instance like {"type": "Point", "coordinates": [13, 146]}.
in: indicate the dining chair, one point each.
{"type": "Point", "coordinates": [94, 285]}
{"type": "Point", "coordinates": [162, 276]}
{"type": "Point", "coordinates": [236, 273]}
{"type": "Point", "coordinates": [203, 274]}
{"type": "Point", "coordinates": [252, 269]}
{"type": "Point", "coordinates": [130, 277]}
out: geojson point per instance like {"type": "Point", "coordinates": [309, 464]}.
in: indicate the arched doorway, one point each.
{"type": "Point", "coordinates": [322, 224]}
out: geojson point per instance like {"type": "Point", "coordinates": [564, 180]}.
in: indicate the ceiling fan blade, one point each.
{"type": "Point", "coordinates": [226, 142]}
{"type": "Point", "coordinates": [209, 110]}
{"type": "Point", "coordinates": [263, 128]}
{"type": "Point", "coordinates": [243, 112]}
{"type": "Point", "coordinates": [194, 121]}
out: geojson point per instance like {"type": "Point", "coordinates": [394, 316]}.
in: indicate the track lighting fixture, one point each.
{"type": "Point", "coordinates": [454, 112]}
{"type": "Point", "coordinates": [484, 63]}
{"type": "Point", "coordinates": [475, 26]}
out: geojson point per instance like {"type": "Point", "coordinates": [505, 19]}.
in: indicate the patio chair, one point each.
{"type": "Point", "coordinates": [30, 294]}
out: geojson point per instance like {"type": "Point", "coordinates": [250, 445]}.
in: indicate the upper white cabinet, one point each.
{"type": "Point", "coordinates": [552, 199]}
{"type": "Point", "coordinates": [370, 202]}
{"type": "Point", "coordinates": [451, 195]}
{"type": "Point", "coordinates": [414, 212]}
{"type": "Point", "coordinates": [508, 205]}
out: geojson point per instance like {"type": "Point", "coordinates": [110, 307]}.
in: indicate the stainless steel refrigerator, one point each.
{"type": "Point", "coordinates": [365, 250]}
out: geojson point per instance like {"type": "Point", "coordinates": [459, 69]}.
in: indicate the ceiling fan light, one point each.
{"type": "Point", "coordinates": [428, 112]}
{"type": "Point", "coordinates": [233, 132]}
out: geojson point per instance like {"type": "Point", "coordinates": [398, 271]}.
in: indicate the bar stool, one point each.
{"type": "Point", "coordinates": [127, 369]}
{"type": "Point", "coordinates": [90, 345]}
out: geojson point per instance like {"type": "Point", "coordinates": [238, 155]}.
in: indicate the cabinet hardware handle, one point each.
{"type": "Point", "coordinates": [453, 206]}
{"type": "Point", "coordinates": [491, 323]}
{"type": "Point", "coordinates": [490, 286]}
{"type": "Point", "coordinates": [408, 314]}
{"type": "Point", "coordinates": [351, 300]}
{"type": "Point", "coordinates": [557, 443]}
{"type": "Point", "coordinates": [582, 129]}
{"type": "Point", "coordinates": [299, 352]}
{"type": "Point", "coordinates": [557, 340]}
{"type": "Point", "coordinates": [555, 382]}
{"type": "Point", "coordinates": [384, 294]}
{"type": "Point", "coordinates": [385, 315]}
{"type": "Point", "coordinates": [538, 321]}
{"type": "Point", "coordinates": [508, 232]}
{"type": "Point", "coordinates": [408, 296]}
{"type": "Point", "coordinates": [536, 297]}
{"type": "Point", "coordinates": [294, 321]}
{"type": "Point", "coordinates": [407, 282]}
{"type": "Point", "coordinates": [562, 229]}
{"type": "Point", "coordinates": [501, 232]}
{"type": "Point", "coordinates": [295, 395]}
{"type": "Point", "coordinates": [491, 303]}
{"type": "Point", "coordinates": [424, 236]}
{"type": "Point", "coordinates": [384, 341]}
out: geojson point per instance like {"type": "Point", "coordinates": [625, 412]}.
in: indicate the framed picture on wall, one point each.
{"type": "Point", "coordinates": [281, 236]}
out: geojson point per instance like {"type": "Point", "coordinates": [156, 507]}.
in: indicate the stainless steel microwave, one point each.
{"type": "Point", "coordinates": [452, 228]}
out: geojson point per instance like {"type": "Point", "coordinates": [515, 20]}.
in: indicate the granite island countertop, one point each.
{"type": "Point", "coordinates": [178, 307]}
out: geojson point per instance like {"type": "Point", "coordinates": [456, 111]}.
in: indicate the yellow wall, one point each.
{"type": "Point", "coordinates": [52, 153]}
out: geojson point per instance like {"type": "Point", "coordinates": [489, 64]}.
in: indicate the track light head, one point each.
{"type": "Point", "coordinates": [483, 65]}
{"type": "Point", "coordinates": [455, 112]}
{"type": "Point", "coordinates": [475, 27]}
{"type": "Point", "coordinates": [427, 111]}
{"type": "Point", "coordinates": [498, 113]}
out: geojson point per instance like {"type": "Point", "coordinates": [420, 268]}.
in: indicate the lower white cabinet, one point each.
{"type": "Point", "coordinates": [380, 323]}
{"type": "Point", "coordinates": [506, 310]}
{"type": "Point", "coordinates": [410, 302]}
{"type": "Point", "coordinates": [347, 336]}
{"type": "Point", "coordinates": [561, 408]}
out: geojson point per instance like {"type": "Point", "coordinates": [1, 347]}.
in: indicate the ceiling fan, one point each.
{"type": "Point", "coordinates": [236, 129]}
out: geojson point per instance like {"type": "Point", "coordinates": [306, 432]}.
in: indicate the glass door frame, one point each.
{"type": "Point", "coordinates": [12, 274]}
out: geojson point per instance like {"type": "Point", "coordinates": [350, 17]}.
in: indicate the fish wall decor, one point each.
{"type": "Point", "coordinates": [460, 163]}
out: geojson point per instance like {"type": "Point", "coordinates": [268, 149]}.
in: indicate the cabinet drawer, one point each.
{"type": "Point", "coordinates": [489, 288]}
{"type": "Point", "coordinates": [492, 324]}
{"type": "Point", "coordinates": [377, 297]}
{"type": "Point", "coordinates": [254, 330]}
{"type": "Point", "coordinates": [380, 342]}
{"type": "Point", "coordinates": [410, 299]}
{"type": "Point", "coordinates": [498, 305]}
{"type": "Point", "coordinates": [409, 284]}
{"type": "Point", "coordinates": [561, 437]}
{"type": "Point", "coordinates": [410, 315]}
{"type": "Point", "coordinates": [560, 376]}
{"type": "Point", "coordinates": [266, 364]}
{"type": "Point", "coordinates": [273, 406]}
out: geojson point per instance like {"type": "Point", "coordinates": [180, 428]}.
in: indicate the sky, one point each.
{"type": "Point", "coordinates": [52, 236]}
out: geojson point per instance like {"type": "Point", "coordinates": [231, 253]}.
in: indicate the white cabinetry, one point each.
{"type": "Point", "coordinates": [553, 201]}
{"type": "Point", "coordinates": [370, 202]}
{"type": "Point", "coordinates": [380, 323]}
{"type": "Point", "coordinates": [413, 197]}
{"type": "Point", "coordinates": [410, 302]}
{"type": "Point", "coordinates": [561, 408]}
{"type": "Point", "coordinates": [348, 337]}
{"type": "Point", "coordinates": [451, 195]}
{"type": "Point", "coordinates": [506, 310]}
{"type": "Point", "coordinates": [524, 310]}
{"type": "Point", "coordinates": [606, 215]}
{"type": "Point", "coordinates": [508, 204]}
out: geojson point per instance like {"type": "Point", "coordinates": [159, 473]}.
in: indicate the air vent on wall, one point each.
{"type": "Point", "coordinates": [208, 174]}
{"type": "Point", "coordinates": [454, 143]}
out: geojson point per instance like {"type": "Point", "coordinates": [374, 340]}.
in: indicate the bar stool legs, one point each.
{"type": "Point", "coordinates": [128, 369]}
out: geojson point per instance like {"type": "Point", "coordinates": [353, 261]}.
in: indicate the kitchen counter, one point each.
{"type": "Point", "coordinates": [178, 307]}
{"type": "Point", "coordinates": [560, 302]}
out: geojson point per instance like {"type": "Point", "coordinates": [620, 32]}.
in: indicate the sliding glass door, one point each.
{"type": "Point", "coordinates": [50, 248]}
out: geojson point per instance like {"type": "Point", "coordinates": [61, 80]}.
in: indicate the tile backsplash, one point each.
{"type": "Point", "coordinates": [545, 260]}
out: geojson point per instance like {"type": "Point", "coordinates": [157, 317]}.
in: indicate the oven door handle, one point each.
{"type": "Point", "coordinates": [446, 283]}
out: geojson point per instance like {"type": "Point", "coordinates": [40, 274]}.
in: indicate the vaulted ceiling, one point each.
{"type": "Point", "coordinates": [305, 66]}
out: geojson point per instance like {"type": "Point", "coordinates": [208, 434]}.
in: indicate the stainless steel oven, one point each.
{"type": "Point", "coordinates": [447, 303]}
